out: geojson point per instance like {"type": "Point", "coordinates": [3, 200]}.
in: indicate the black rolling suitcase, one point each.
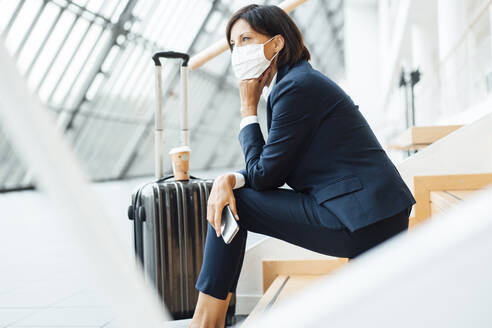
{"type": "Point", "coordinates": [170, 222]}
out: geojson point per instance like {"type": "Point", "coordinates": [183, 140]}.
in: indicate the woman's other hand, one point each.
{"type": "Point", "coordinates": [250, 92]}
{"type": "Point", "coordinates": [221, 195]}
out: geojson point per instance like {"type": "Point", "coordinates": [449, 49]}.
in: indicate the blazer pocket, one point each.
{"type": "Point", "coordinates": [338, 188]}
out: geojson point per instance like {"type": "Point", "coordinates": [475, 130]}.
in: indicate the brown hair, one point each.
{"type": "Point", "coordinates": [272, 20]}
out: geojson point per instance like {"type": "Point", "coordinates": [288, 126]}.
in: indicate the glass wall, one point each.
{"type": "Point", "coordinates": [89, 62]}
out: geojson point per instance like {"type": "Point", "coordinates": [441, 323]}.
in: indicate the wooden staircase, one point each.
{"type": "Point", "coordinates": [282, 279]}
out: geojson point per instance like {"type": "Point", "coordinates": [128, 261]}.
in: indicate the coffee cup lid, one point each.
{"type": "Point", "coordinates": [179, 149]}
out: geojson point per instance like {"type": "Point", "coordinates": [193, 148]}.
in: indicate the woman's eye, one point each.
{"type": "Point", "coordinates": [243, 39]}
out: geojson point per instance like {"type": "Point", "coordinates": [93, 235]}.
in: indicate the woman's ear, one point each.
{"type": "Point", "coordinates": [279, 43]}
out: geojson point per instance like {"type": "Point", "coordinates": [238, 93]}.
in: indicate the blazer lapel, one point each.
{"type": "Point", "coordinates": [280, 74]}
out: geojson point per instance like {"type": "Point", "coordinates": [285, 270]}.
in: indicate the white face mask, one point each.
{"type": "Point", "coordinates": [249, 61]}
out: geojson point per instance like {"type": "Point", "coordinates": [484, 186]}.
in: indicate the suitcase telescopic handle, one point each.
{"type": "Point", "coordinates": [158, 135]}
{"type": "Point", "coordinates": [170, 54]}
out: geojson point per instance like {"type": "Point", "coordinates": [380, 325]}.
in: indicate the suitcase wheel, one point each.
{"type": "Point", "coordinates": [131, 214]}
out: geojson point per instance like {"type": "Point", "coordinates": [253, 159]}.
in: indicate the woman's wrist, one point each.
{"type": "Point", "coordinates": [230, 178]}
{"type": "Point", "coordinates": [248, 111]}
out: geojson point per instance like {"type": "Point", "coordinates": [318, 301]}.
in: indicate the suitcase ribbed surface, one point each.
{"type": "Point", "coordinates": [170, 231]}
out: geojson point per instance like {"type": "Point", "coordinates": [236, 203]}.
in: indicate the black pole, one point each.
{"type": "Point", "coordinates": [414, 79]}
{"type": "Point", "coordinates": [403, 84]}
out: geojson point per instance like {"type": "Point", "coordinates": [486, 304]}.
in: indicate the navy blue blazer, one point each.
{"type": "Point", "coordinates": [320, 144]}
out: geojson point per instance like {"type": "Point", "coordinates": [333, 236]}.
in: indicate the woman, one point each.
{"type": "Point", "coordinates": [347, 195]}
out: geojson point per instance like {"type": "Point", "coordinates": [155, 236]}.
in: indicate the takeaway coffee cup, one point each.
{"type": "Point", "coordinates": [180, 159]}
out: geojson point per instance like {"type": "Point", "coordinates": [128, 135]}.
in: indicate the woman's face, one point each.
{"type": "Point", "coordinates": [242, 34]}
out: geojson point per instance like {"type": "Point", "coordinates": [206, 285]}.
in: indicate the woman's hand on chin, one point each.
{"type": "Point", "coordinates": [250, 92]}
{"type": "Point", "coordinates": [221, 195]}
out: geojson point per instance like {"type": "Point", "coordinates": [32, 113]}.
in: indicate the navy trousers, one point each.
{"type": "Point", "coordinates": [293, 217]}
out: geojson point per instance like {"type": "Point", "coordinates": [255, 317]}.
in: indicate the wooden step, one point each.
{"type": "Point", "coordinates": [437, 193]}
{"type": "Point", "coordinates": [418, 137]}
{"type": "Point", "coordinates": [282, 287]}
{"type": "Point", "coordinates": [284, 278]}
{"type": "Point", "coordinates": [273, 268]}
{"type": "Point", "coordinates": [441, 201]}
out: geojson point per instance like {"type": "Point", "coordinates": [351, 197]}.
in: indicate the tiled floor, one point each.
{"type": "Point", "coordinates": [43, 283]}
{"type": "Point", "coordinates": [44, 279]}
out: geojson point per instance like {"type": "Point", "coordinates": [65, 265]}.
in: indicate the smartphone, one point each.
{"type": "Point", "coordinates": [228, 225]}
